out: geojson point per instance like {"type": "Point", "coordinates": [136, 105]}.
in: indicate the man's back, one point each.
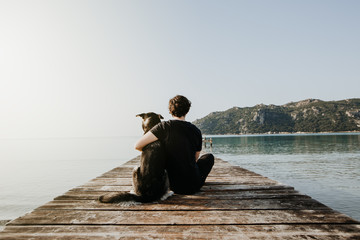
{"type": "Point", "coordinates": [181, 140]}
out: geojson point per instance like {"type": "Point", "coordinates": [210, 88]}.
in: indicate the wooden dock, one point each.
{"type": "Point", "coordinates": [234, 204]}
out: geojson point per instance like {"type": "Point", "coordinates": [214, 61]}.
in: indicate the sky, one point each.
{"type": "Point", "coordinates": [82, 68]}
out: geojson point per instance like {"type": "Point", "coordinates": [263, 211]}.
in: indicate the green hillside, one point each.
{"type": "Point", "coordinates": [311, 115]}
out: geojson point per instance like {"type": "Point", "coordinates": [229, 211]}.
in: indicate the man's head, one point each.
{"type": "Point", "coordinates": [179, 106]}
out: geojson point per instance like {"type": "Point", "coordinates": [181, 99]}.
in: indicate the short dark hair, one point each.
{"type": "Point", "coordinates": [179, 106]}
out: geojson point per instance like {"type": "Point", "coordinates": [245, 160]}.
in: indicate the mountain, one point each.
{"type": "Point", "coordinates": [310, 115]}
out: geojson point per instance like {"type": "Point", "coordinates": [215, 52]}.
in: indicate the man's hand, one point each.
{"type": "Point", "coordinates": [197, 155]}
{"type": "Point", "coordinates": [149, 137]}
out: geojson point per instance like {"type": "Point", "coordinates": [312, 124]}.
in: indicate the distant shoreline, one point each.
{"type": "Point", "coordinates": [278, 133]}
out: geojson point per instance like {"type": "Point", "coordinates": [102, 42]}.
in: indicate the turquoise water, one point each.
{"type": "Point", "coordinates": [324, 166]}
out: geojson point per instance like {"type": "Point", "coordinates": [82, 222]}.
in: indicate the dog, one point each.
{"type": "Point", "coordinates": [150, 179]}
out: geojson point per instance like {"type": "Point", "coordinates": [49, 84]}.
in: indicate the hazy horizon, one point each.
{"type": "Point", "coordinates": [86, 68]}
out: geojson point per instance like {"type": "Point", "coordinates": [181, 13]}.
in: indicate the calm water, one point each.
{"type": "Point", "coordinates": [326, 167]}
{"type": "Point", "coordinates": [34, 171]}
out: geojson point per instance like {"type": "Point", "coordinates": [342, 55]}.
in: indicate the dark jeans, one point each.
{"type": "Point", "coordinates": [181, 185]}
{"type": "Point", "coordinates": [205, 164]}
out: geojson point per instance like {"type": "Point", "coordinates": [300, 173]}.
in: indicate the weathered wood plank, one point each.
{"type": "Point", "coordinates": [232, 195]}
{"type": "Point", "coordinates": [182, 217]}
{"type": "Point", "coordinates": [244, 232]}
{"type": "Point", "coordinates": [190, 204]}
{"type": "Point", "coordinates": [209, 181]}
{"type": "Point", "coordinates": [217, 171]}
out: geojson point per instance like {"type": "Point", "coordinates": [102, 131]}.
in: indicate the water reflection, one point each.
{"type": "Point", "coordinates": [287, 144]}
{"type": "Point", "coordinates": [324, 166]}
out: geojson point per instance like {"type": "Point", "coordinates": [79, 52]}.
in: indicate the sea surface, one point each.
{"type": "Point", "coordinates": [34, 171]}
{"type": "Point", "coordinates": [324, 166]}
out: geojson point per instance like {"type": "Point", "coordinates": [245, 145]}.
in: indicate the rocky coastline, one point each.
{"type": "Point", "coordinates": [307, 116]}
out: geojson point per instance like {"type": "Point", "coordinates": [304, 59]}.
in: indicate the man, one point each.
{"type": "Point", "coordinates": [182, 142]}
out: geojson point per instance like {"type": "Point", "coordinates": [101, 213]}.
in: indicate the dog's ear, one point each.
{"type": "Point", "coordinates": [141, 115]}
{"type": "Point", "coordinates": [161, 117]}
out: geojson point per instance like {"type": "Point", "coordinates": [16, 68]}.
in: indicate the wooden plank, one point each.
{"type": "Point", "coordinates": [190, 204]}
{"type": "Point", "coordinates": [216, 171]}
{"type": "Point", "coordinates": [233, 195]}
{"type": "Point", "coordinates": [209, 181]}
{"type": "Point", "coordinates": [182, 217]}
{"type": "Point", "coordinates": [244, 232]}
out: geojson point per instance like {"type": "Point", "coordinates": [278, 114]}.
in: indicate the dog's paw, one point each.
{"type": "Point", "coordinates": [167, 195]}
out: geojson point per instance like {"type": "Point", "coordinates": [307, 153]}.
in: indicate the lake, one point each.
{"type": "Point", "coordinates": [324, 166]}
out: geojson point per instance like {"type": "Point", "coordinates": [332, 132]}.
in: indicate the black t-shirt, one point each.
{"type": "Point", "coordinates": [181, 140]}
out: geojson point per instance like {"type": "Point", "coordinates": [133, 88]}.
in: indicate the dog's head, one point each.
{"type": "Point", "coordinates": [149, 120]}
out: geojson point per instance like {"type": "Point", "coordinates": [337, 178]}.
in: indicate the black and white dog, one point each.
{"type": "Point", "coordinates": [150, 179]}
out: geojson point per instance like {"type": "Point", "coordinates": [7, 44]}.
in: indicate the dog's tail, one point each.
{"type": "Point", "coordinates": [120, 197]}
